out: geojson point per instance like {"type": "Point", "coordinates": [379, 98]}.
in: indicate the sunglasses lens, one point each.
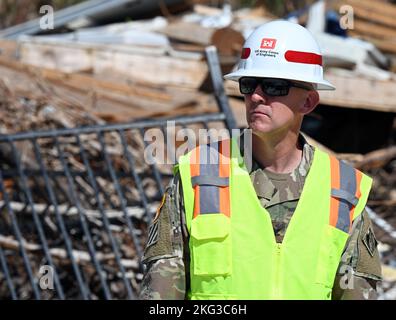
{"type": "Point", "coordinates": [272, 90]}
{"type": "Point", "coordinates": [247, 85]}
{"type": "Point", "coordinates": [271, 87]}
{"type": "Point", "coordinates": [275, 87]}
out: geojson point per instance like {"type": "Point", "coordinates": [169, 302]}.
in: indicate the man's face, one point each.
{"type": "Point", "coordinates": [268, 114]}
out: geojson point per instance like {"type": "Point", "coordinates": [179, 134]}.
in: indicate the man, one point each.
{"type": "Point", "coordinates": [293, 226]}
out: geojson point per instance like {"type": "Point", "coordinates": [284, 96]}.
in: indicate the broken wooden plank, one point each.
{"type": "Point", "coordinates": [381, 9]}
{"type": "Point", "coordinates": [227, 40]}
{"type": "Point", "coordinates": [118, 63]}
{"type": "Point", "coordinates": [161, 71]}
{"type": "Point", "coordinates": [80, 81]}
{"type": "Point", "coordinates": [377, 158]}
{"type": "Point", "coordinates": [238, 109]}
{"type": "Point", "coordinates": [373, 16]}
{"type": "Point", "coordinates": [79, 255]}
{"type": "Point", "coordinates": [113, 102]}
{"type": "Point", "coordinates": [373, 30]}
{"type": "Point", "coordinates": [66, 210]}
{"type": "Point", "coordinates": [8, 48]}
{"type": "Point", "coordinates": [207, 10]}
{"type": "Point", "coordinates": [357, 92]}
{"type": "Point", "coordinates": [63, 58]}
{"type": "Point", "coordinates": [232, 88]}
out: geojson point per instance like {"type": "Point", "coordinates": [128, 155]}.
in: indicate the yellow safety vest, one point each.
{"type": "Point", "coordinates": [233, 250]}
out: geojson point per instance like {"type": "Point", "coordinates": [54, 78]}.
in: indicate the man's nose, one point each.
{"type": "Point", "coordinates": [258, 95]}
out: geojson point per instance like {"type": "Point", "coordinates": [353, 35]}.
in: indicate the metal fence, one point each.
{"type": "Point", "coordinates": [75, 205]}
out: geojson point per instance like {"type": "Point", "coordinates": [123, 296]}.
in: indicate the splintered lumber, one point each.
{"type": "Point", "coordinates": [370, 15]}
{"type": "Point", "coordinates": [64, 209]}
{"type": "Point", "coordinates": [79, 256]}
{"type": "Point", "coordinates": [8, 48]}
{"type": "Point", "coordinates": [108, 100]}
{"type": "Point", "coordinates": [232, 88]}
{"type": "Point", "coordinates": [371, 10]}
{"type": "Point", "coordinates": [227, 40]}
{"type": "Point", "coordinates": [357, 92]}
{"type": "Point", "coordinates": [377, 158]}
{"type": "Point", "coordinates": [156, 70]}
{"type": "Point", "coordinates": [374, 21]}
{"type": "Point", "coordinates": [238, 109]}
{"type": "Point", "coordinates": [207, 10]}
{"type": "Point", "coordinates": [63, 58]}
{"type": "Point", "coordinates": [389, 273]}
{"type": "Point", "coordinates": [374, 11]}
{"type": "Point", "coordinates": [374, 30]}
{"type": "Point", "coordinates": [392, 59]}
{"type": "Point", "coordinates": [350, 157]}
{"type": "Point", "coordinates": [119, 63]}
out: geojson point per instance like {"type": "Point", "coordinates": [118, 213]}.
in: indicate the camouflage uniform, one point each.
{"type": "Point", "coordinates": [167, 258]}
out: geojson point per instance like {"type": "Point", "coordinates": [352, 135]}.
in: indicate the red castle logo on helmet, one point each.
{"type": "Point", "coordinates": [268, 43]}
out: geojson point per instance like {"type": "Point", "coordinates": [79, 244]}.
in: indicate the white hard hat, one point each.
{"type": "Point", "coordinates": [282, 49]}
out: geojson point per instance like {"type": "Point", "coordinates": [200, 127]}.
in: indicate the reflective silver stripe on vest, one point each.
{"type": "Point", "coordinates": [208, 179]}
{"type": "Point", "coordinates": [346, 195]}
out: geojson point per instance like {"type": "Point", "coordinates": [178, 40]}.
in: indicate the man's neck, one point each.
{"type": "Point", "coordinates": [279, 154]}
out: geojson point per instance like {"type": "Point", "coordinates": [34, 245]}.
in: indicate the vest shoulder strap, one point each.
{"type": "Point", "coordinates": [346, 192]}
{"type": "Point", "coordinates": [210, 171]}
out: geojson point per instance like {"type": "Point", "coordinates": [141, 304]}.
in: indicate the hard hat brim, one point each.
{"type": "Point", "coordinates": [319, 84]}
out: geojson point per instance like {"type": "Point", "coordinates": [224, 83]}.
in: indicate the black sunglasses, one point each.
{"type": "Point", "coordinates": [270, 86]}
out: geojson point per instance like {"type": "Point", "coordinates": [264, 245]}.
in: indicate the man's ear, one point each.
{"type": "Point", "coordinates": [311, 101]}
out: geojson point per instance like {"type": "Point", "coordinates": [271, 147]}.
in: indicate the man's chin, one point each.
{"type": "Point", "coordinates": [260, 128]}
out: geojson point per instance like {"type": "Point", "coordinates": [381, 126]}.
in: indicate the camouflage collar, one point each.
{"type": "Point", "coordinates": [274, 188]}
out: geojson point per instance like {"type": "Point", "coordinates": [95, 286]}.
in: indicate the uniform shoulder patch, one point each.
{"type": "Point", "coordinates": [153, 234]}
{"type": "Point", "coordinates": [159, 235]}
{"type": "Point", "coordinates": [153, 231]}
{"type": "Point", "coordinates": [370, 241]}
{"type": "Point", "coordinates": [368, 262]}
